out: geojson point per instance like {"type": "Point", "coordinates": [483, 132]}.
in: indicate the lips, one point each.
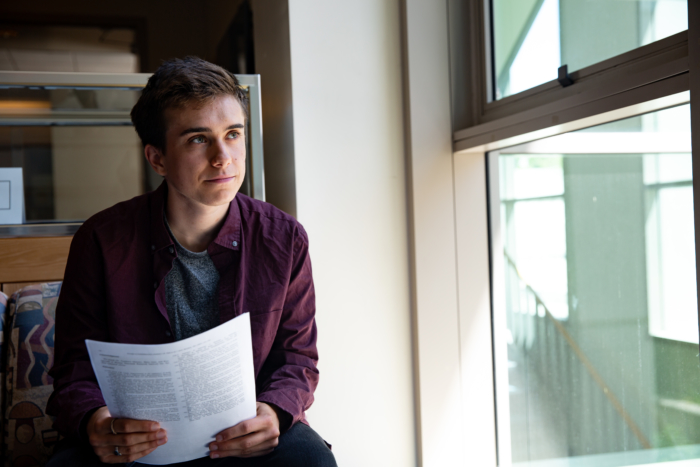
{"type": "Point", "coordinates": [221, 179]}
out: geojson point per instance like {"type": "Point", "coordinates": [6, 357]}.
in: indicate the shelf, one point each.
{"type": "Point", "coordinates": [39, 230]}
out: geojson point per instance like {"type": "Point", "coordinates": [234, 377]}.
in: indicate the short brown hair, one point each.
{"type": "Point", "coordinates": [176, 83]}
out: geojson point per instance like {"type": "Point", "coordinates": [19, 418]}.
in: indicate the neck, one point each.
{"type": "Point", "coordinates": [194, 226]}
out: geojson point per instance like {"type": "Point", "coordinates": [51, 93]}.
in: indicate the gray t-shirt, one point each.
{"type": "Point", "coordinates": [190, 292]}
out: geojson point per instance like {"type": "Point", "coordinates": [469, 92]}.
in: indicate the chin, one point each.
{"type": "Point", "coordinates": [218, 199]}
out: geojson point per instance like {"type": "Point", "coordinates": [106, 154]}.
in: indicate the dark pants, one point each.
{"type": "Point", "coordinates": [299, 447]}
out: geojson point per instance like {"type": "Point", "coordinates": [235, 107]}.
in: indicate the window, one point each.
{"type": "Point", "coordinates": [532, 38]}
{"type": "Point", "coordinates": [601, 302]}
{"type": "Point", "coordinates": [592, 224]}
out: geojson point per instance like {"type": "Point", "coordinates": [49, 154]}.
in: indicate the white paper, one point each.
{"type": "Point", "coordinates": [194, 388]}
{"type": "Point", "coordinates": [11, 196]}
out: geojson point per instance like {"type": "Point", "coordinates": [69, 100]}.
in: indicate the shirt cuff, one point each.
{"type": "Point", "coordinates": [82, 431]}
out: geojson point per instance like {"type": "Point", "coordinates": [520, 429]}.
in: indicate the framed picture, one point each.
{"type": "Point", "coordinates": [11, 196]}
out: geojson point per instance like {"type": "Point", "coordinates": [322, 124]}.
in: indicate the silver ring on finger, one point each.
{"type": "Point", "coordinates": [111, 426]}
{"type": "Point", "coordinates": [116, 451]}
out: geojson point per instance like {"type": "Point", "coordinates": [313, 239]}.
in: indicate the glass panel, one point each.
{"type": "Point", "coordinates": [532, 38]}
{"type": "Point", "coordinates": [601, 302]}
{"type": "Point", "coordinates": [78, 151]}
{"type": "Point", "coordinates": [72, 172]}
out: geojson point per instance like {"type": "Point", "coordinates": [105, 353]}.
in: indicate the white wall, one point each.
{"type": "Point", "coordinates": [351, 197]}
{"type": "Point", "coordinates": [443, 418]}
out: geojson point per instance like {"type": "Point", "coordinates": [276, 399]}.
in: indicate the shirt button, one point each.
{"type": "Point", "coordinates": [155, 285]}
{"type": "Point", "coordinates": [234, 243]}
{"type": "Point", "coordinates": [167, 333]}
{"type": "Point", "coordinates": [171, 250]}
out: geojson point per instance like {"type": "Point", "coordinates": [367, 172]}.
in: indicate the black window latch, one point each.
{"type": "Point", "coordinates": [564, 78]}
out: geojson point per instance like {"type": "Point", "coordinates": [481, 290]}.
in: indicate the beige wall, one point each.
{"type": "Point", "coordinates": [440, 388]}
{"type": "Point", "coordinates": [351, 197]}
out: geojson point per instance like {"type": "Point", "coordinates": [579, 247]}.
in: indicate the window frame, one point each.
{"type": "Point", "coordinates": [654, 70]}
{"type": "Point", "coordinates": [643, 80]}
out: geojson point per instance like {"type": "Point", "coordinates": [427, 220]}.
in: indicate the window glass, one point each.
{"type": "Point", "coordinates": [532, 38]}
{"type": "Point", "coordinates": [600, 297]}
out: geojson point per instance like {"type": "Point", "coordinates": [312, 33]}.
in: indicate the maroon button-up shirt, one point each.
{"type": "Point", "coordinates": [114, 291]}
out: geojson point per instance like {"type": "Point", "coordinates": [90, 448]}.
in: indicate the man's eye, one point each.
{"type": "Point", "coordinates": [233, 135]}
{"type": "Point", "coordinates": [198, 139]}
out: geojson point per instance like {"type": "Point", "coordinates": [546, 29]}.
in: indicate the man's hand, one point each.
{"type": "Point", "coordinates": [134, 438]}
{"type": "Point", "coordinates": [251, 438]}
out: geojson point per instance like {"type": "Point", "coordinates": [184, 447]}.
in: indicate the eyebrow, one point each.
{"type": "Point", "coordinates": [202, 129]}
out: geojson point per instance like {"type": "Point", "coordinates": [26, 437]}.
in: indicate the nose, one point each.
{"type": "Point", "coordinates": [221, 155]}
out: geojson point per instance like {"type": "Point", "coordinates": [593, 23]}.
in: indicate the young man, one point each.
{"type": "Point", "coordinates": [181, 260]}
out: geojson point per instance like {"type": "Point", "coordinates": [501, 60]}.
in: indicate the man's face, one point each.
{"type": "Point", "coordinates": [204, 158]}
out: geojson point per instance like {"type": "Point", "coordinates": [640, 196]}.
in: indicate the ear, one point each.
{"type": "Point", "coordinates": [155, 157]}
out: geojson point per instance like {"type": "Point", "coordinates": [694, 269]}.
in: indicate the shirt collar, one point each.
{"type": "Point", "coordinates": [229, 236]}
{"type": "Point", "coordinates": [230, 233]}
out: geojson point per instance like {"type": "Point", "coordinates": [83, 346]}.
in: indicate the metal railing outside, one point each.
{"type": "Point", "coordinates": [553, 362]}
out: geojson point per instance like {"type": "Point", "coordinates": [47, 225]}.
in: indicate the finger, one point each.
{"type": "Point", "coordinates": [132, 439]}
{"type": "Point", "coordinates": [128, 425]}
{"type": "Point", "coordinates": [127, 439]}
{"type": "Point", "coordinates": [142, 447]}
{"type": "Point", "coordinates": [114, 459]}
{"type": "Point", "coordinates": [260, 449]}
{"type": "Point", "coordinates": [106, 451]}
{"type": "Point", "coordinates": [247, 443]}
{"type": "Point", "coordinates": [244, 428]}
{"type": "Point", "coordinates": [239, 444]}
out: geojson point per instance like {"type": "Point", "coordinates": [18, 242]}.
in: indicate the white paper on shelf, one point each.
{"type": "Point", "coordinates": [11, 196]}
{"type": "Point", "coordinates": [194, 388]}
